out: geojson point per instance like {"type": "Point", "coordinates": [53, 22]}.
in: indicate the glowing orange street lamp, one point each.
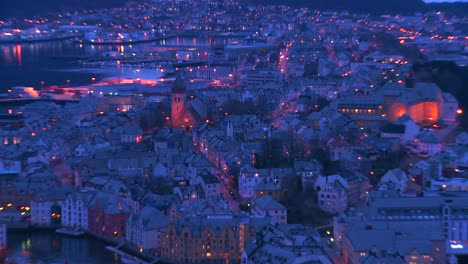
{"type": "Point", "coordinates": [459, 111]}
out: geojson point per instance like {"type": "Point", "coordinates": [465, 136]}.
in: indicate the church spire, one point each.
{"type": "Point", "coordinates": [179, 84]}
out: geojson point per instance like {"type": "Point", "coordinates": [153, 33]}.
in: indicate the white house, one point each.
{"type": "Point", "coordinates": [428, 143]}
{"type": "Point", "coordinates": [210, 184]}
{"type": "Point", "coordinates": [411, 128]}
{"type": "Point", "coordinates": [130, 134]}
{"type": "Point", "coordinates": [396, 177]}
{"type": "Point", "coordinates": [145, 228]}
{"type": "Point", "coordinates": [249, 177]}
{"type": "Point", "coordinates": [267, 206]}
{"type": "Point", "coordinates": [75, 209]}
{"type": "Point", "coordinates": [41, 211]}
{"type": "Point", "coordinates": [332, 197]}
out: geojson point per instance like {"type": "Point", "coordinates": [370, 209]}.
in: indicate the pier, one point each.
{"type": "Point", "coordinates": [127, 258]}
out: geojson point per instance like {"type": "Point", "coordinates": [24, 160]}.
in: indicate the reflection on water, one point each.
{"type": "Point", "coordinates": [48, 247]}
{"type": "Point", "coordinates": [31, 64]}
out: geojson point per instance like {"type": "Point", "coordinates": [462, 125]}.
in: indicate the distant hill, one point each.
{"type": "Point", "coordinates": [370, 6]}
{"type": "Point", "coordinates": [358, 6]}
{"type": "Point", "coordinates": [20, 8]}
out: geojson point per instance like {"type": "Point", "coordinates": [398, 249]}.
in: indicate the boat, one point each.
{"type": "Point", "coordinates": [71, 232]}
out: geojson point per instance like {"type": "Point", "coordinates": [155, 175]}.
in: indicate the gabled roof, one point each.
{"type": "Point", "coordinates": [393, 128]}
{"type": "Point", "coordinates": [208, 178]}
{"type": "Point", "coordinates": [266, 186]}
{"type": "Point", "coordinates": [152, 218]}
{"type": "Point", "coordinates": [266, 203]}
{"type": "Point", "coordinates": [110, 204]}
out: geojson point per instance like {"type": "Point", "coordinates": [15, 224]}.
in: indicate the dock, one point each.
{"type": "Point", "coordinates": [127, 258]}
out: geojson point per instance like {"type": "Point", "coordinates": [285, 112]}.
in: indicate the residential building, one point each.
{"type": "Point", "coordinates": [267, 206]}
{"type": "Point", "coordinates": [210, 184]}
{"type": "Point", "coordinates": [428, 143]}
{"type": "Point", "coordinates": [309, 171]}
{"type": "Point", "coordinates": [46, 208]}
{"type": "Point", "coordinates": [107, 216]}
{"type": "Point", "coordinates": [268, 187]}
{"type": "Point", "coordinates": [209, 239]}
{"type": "Point", "coordinates": [75, 209]}
{"type": "Point", "coordinates": [420, 229]}
{"type": "Point", "coordinates": [144, 229]}
{"type": "Point", "coordinates": [396, 177]}
{"type": "Point", "coordinates": [332, 197]}
{"type": "Point", "coordinates": [249, 177]}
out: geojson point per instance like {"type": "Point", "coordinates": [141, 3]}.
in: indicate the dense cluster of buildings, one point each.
{"type": "Point", "coordinates": [215, 163]}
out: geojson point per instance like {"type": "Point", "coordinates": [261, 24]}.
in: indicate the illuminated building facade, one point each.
{"type": "Point", "coordinates": [423, 103]}
{"type": "Point", "coordinates": [209, 239]}
{"type": "Point", "coordinates": [107, 216]}
{"type": "Point", "coordinates": [181, 115]}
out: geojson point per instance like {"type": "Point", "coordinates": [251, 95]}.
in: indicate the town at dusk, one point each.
{"type": "Point", "coordinates": [233, 131]}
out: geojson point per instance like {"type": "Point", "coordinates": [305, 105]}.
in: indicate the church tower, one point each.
{"type": "Point", "coordinates": [178, 102]}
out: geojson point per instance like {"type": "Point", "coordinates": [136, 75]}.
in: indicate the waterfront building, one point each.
{"type": "Point", "coordinates": [107, 216]}
{"type": "Point", "coordinates": [46, 208]}
{"type": "Point", "coordinates": [145, 228]}
{"type": "Point", "coordinates": [209, 239]}
{"type": "Point", "coordinates": [75, 209]}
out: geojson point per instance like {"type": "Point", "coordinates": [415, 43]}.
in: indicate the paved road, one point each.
{"type": "Point", "coordinates": [332, 251]}
{"type": "Point", "coordinates": [233, 204]}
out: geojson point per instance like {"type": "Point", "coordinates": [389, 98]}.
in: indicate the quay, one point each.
{"type": "Point", "coordinates": [127, 258]}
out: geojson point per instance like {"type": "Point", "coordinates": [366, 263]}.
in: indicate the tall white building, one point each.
{"type": "Point", "coordinates": [75, 209]}
{"type": "Point", "coordinates": [145, 228]}
{"type": "Point", "coordinates": [249, 177]}
{"type": "Point", "coordinates": [41, 212]}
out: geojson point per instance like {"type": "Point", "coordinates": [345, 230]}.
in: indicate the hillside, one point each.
{"type": "Point", "coordinates": [370, 6]}
{"type": "Point", "coordinates": [19, 8]}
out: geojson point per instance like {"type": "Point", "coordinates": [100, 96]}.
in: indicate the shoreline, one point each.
{"type": "Point", "coordinates": [126, 247]}
{"type": "Point", "coordinates": [29, 41]}
{"type": "Point", "coordinates": [117, 43]}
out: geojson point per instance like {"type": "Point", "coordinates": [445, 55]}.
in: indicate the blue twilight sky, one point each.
{"type": "Point", "coordinates": [438, 1]}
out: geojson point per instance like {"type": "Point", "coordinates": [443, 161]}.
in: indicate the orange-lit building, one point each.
{"type": "Point", "coordinates": [423, 103]}
{"type": "Point", "coordinates": [181, 116]}
{"type": "Point", "coordinates": [362, 108]}
{"type": "Point", "coordinates": [107, 216]}
{"type": "Point", "coordinates": [209, 239]}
